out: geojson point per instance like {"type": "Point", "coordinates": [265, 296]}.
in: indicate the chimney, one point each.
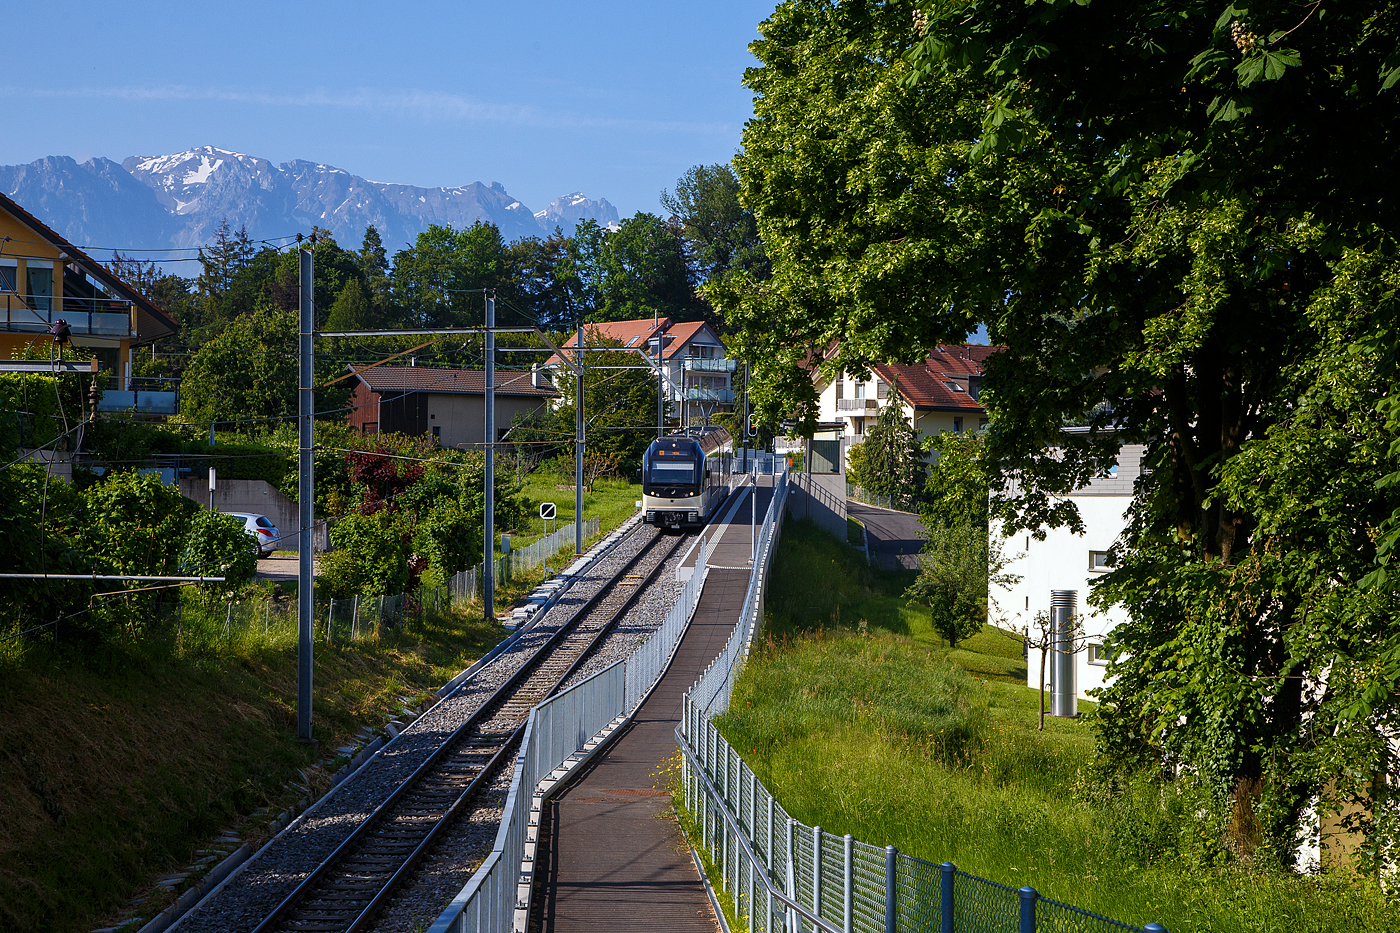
{"type": "Point", "coordinates": [413, 361]}
{"type": "Point", "coordinates": [536, 376]}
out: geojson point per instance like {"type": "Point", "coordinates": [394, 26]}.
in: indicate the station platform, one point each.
{"type": "Point", "coordinates": [614, 858]}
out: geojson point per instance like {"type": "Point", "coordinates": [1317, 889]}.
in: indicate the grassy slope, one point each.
{"type": "Point", "coordinates": [861, 720]}
{"type": "Point", "coordinates": [114, 769]}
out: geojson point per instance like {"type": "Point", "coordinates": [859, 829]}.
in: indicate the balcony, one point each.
{"type": "Point", "coordinates": [149, 396]}
{"type": "Point", "coordinates": [696, 364]}
{"type": "Point", "coordinates": [86, 317]}
{"type": "Point", "coordinates": [856, 404]}
{"type": "Point", "coordinates": [697, 394]}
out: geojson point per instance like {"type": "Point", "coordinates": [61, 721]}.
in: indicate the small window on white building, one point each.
{"type": "Point", "coordinates": [1096, 655]}
{"type": "Point", "coordinates": [840, 389]}
{"type": "Point", "coordinates": [957, 424]}
{"type": "Point", "coordinates": [882, 389]}
{"type": "Point", "coordinates": [1098, 560]}
{"type": "Point", "coordinates": [860, 390]}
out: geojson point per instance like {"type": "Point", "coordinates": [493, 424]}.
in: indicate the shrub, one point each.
{"type": "Point", "coordinates": [217, 545]}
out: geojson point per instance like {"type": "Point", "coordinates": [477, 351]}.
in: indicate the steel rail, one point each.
{"type": "Point", "coordinates": [362, 921]}
{"type": "Point", "coordinates": [492, 705]}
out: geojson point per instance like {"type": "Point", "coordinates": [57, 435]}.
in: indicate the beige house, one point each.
{"type": "Point", "coordinates": [937, 395]}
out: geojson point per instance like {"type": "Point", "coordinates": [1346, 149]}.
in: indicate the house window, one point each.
{"type": "Point", "coordinates": [860, 390]}
{"type": "Point", "coordinates": [1098, 560]}
{"type": "Point", "coordinates": [1097, 656]}
{"type": "Point", "coordinates": [953, 386]}
{"type": "Point", "coordinates": [630, 343]}
{"type": "Point", "coordinates": [957, 424]}
{"type": "Point", "coordinates": [437, 431]}
{"type": "Point", "coordinates": [840, 389]}
{"type": "Point", "coordinates": [882, 389]}
{"type": "Point", "coordinates": [9, 273]}
{"type": "Point", "coordinates": [1111, 472]}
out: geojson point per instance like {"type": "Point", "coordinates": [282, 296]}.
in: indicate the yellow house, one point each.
{"type": "Point", "coordinates": [44, 279]}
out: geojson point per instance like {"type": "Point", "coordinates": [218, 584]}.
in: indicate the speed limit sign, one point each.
{"type": "Point", "coordinates": [547, 511]}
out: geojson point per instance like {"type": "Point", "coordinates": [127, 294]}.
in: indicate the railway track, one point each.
{"type": "Point", "coordinates": [346, 891]}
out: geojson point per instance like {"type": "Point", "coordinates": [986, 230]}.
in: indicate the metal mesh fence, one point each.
{"type": "Point", "coordinates": [809, 868]}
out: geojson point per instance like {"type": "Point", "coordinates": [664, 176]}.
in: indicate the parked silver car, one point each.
{"type": "Point", "coordinates": [261, 529]}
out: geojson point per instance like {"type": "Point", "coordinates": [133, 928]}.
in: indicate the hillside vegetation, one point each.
{"type": "Point", "coordinates": [861, 721]}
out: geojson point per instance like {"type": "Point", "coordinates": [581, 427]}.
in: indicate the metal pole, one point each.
{"type": "Point", "coordinates": [753, 519]}
{"type": "Point", "coordinates": [578, 451]}
{"type": "Point", "coordinates": [947, 872]}
{"type": "Point", "coordinates": [1063, 699]}
{"type": "Point", "coordinates": [660, 389]}
{"type": "Point", "coordinates": [488, 585]}
{"type": "Point", "coordinates": [848, 872]}
{"type": "Point", "coordinates": [1028, 899]}
{"type": "Point", "coordinates": [306, 496]}
{"type": "Point", "coordinates": [891, 891]}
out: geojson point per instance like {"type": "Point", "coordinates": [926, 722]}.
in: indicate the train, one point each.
{"type": "Point", "coordinates": [685, 478]}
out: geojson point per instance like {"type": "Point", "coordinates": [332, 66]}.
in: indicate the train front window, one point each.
{"type": "Point", "coordinates": [672, 472]}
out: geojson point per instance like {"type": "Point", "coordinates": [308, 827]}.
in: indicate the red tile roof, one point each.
{"type": "Point", "coordinates": [944, 381]}
{"type": "Point", "coordinates": [636, 334]}
{"type": "Point", "coordinates": [451, 381]}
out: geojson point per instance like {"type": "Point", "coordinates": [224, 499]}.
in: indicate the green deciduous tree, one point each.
{"type": "Point", "coordinates": [249, 372]}
{"type": "Point", "coordinates": [1178, 218]}
{"type": "Point", "coordinates": [720, 233]}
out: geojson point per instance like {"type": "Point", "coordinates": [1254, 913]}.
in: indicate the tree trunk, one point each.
{"type": "Point", "coordinates": [1041, 685]}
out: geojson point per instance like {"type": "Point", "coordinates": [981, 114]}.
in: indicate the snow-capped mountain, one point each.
{"type": "Point", "coordinates": [566, 212]}
{"type": "Point", "coordinates": [179, 199]}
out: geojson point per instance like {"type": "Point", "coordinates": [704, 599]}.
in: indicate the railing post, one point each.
{"type": "Point", "coordinates": [769, 847]}
{"type": "Point", "coordinates": [817, 870]}
{"type": "Point", "coordinates": [1028, 899]}
{"type": "Point", "coordinates": [848, 867]}
{"type": "Point", "coordinates": [891, 891]}
{"type": "Point", "coordinates": [1154, 928]}
{"type": "Point", "coordinates": [946, 872]}
{"type": "Point", "coordinates": [794, 922]}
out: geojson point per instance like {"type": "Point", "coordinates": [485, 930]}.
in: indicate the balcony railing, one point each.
{"type": "Point", "coordinates": [86, 317]}
{"type": "Point", "coordinates": [856, 404]}
{"type": "Point", "coordinates": [697, 394]}
{"type": "Point", "coordinates": [699, 365]}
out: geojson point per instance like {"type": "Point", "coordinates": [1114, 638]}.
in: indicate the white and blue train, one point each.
{"type": "Point", "coordinates": [685, 479]}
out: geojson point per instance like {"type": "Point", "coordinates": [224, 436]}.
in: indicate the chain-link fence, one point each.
{"type": "Point", "coordinates": [899, 503]}
{"type": "Point", "coordinates": [783, 875]}
{"type": "Point", "coordinates": [466, 584]}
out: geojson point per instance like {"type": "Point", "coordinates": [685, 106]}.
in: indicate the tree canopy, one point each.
{"type": "Point", "coordinates": [1179, 223]}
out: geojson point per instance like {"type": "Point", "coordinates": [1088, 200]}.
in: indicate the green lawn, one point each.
{"type": "Point", "coordinates": [861, 720]}
{"type": "Point", "coordinates": [612, 500]}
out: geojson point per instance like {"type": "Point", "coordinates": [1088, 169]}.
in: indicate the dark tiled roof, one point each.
{"type": "Point", "coordinates": [451, 381]}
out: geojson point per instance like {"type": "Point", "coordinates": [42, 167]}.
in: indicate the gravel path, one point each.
{"type": "Point", "coordinates": [267, 879]}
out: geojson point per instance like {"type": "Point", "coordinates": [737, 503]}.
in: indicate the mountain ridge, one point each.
{"type": "Point", "coordinates": [180, 199]}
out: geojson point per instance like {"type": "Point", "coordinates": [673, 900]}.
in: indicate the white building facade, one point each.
{"type": "Point", "coordinates": [1065, 561]}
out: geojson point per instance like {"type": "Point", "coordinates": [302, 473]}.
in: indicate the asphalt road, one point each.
{"type": "Point", "coordinates": [283, 568]}
{"type": "Point", "coordinates": [896, 538]}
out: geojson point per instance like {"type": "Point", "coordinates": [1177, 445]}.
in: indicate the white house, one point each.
{"type": "Point", "coordinates": [698, 371]}
{"type": "Point", "coordinates": [937, 395]}
{"type": "Point", "coordinates": [1067, 561]}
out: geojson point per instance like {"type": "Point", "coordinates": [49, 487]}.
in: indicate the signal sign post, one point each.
{"type": "Point", "coordinates": [548, 513]}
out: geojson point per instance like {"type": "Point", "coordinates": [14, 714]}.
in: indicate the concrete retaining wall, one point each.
{"type": "Point", "coordinates": [257, 496]}
{"type": "Point", "coordinates": [820, 497]}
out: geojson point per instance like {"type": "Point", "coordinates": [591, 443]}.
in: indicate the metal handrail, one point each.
{"type": "Point", "coordinates": [758, 871]}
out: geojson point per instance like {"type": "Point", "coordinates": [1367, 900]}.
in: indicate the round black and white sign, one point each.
{"type": "Point", "coordinates": [547, 510]}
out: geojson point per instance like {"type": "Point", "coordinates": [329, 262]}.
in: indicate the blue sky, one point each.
{"type": "Point", "coordinates": [612, 99]}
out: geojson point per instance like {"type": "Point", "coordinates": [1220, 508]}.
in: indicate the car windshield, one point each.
{"type": "Point", "coordinates": [672, 472]}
